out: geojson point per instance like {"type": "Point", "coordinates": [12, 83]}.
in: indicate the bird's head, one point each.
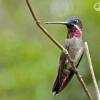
{"type": "Point", "coordinates": [73, 24]}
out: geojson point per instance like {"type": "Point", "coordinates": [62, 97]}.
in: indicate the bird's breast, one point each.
{"type": "Point", "coordinates": [74, 45]}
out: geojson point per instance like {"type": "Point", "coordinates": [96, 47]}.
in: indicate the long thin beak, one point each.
{"type": "Point", "coordinates": [56, 23]}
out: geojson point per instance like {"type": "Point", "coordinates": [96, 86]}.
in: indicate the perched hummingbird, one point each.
{"type": "Point", "coordinates": [75, 46]}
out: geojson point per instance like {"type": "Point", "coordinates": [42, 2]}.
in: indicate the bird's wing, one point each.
{"type": "Point", "coordinates": [65, 73]}
{"type": "Point", "coordinates": [60, 75]}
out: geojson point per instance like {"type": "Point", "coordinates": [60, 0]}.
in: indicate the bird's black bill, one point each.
{"type": "Point", "coordinates": [56, 23]}
{"type": "Point", "coordinates": [68, 24]}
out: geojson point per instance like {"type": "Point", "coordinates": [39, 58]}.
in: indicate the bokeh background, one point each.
{"type": "Point", "coordinates": [28, 59]}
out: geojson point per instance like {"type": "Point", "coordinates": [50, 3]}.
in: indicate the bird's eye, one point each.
{"type": "Point", "coordinates": [76, 21]}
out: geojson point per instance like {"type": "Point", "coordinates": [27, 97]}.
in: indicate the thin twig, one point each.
{"type": "Point", "coordinates": [42, 28]}
{"type": "Point", "coordinates": [61, 48]}
{"type": "Point", "coordinates": [92, 71]}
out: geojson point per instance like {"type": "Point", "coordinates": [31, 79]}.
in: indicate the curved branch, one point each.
{"type": "Point", "coordinates": [92, 71]}
{"type": "Point", "coordinates": [61, 48]}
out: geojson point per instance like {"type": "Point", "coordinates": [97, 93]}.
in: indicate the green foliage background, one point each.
{"type": "Point", "coordinates": [28, 60]}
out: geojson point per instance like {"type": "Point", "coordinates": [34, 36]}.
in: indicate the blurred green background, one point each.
{"type": "Point", "coordinates": [28, 59]}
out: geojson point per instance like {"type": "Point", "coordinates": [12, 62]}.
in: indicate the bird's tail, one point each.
{"type": "Point", "coordinates": [59, 84]}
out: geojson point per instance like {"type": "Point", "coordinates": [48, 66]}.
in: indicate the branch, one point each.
{"type": "Point", "coordinates": [61, 48]}
{"type": "Point", "coordinates": [92, 71]}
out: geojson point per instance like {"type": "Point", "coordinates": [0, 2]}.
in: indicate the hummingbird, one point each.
{"type": "Point", "coordinates": [75, 46]}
